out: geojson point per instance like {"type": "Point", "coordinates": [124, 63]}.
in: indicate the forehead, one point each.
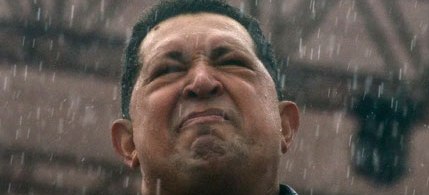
{"type": "Point", "coordinates": [204, 27]}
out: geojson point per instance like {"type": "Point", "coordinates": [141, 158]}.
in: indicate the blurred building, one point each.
{"type": "Point", "coordinates": [358, 70]}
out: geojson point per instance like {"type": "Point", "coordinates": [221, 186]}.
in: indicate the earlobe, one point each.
{"type": "Point", "coordinates": [289, 115]}
{"type": "Point", "coordinates": [122, 139]}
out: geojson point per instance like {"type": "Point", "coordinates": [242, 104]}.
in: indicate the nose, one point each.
{"type": "Point", "coordinates": [202, 84]}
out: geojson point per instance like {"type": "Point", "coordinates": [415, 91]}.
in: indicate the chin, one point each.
{"type": "Point", "coordinates": [215, 158]}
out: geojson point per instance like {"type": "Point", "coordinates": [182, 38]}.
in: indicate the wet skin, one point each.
{"type": "Point", "coordinates": [204, 111]}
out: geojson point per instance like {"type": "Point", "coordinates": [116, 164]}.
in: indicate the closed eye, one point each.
{"type": "Point", "coordinates": [233, 62]}
{"type": "Point", "coordinates": [165, 70]}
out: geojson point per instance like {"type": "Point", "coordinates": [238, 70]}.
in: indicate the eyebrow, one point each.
{"type": "Point", "coordinates": [217, 49]}
{"type": "Point", "coordinates": [174, 55]}
{"type": "Point", "coordinates": [228, 45]}
{"type": "Point", "coordinates": [219, 52]}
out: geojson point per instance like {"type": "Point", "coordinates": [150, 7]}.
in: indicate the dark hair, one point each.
{"type": "Point", "coordinates": [168, 9]}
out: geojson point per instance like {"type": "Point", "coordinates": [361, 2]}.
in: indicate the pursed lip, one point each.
{"type": "Point", "coordinates": [209, 115]}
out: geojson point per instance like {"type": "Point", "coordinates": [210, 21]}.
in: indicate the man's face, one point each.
{"type": "Point", "coordinates": [203, 103]}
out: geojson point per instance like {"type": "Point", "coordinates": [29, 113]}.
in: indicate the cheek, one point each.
{"type": "Point", "coordinates": [151, 113]}
{"type": "Point", "coordinates": [257, 102]}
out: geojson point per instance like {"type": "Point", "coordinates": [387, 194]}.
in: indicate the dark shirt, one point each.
{"type": "Point", "coordinates": [286, 190]}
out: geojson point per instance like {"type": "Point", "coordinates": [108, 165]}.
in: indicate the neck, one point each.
{"type": "Point", "coordinates": [225, 184]}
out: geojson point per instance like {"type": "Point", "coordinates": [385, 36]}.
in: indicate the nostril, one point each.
{"type": "Point", "coordinates": [192, 94]}
{"type": "Point", "coordinates": [214, 91]}
{"type": "Point", "coordinates": [203, 86]}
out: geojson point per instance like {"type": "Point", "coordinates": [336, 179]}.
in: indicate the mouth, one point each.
{"type": "Point", "coordinates": [206, 116]}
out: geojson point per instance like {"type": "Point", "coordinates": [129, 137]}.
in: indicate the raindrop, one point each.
{"type": "Point", "coordinates": [14, 71]}
{"type": "Point", "coordinates": [51, 44]}
{"type": "Point", "coordinates": [396, 105]}
{"type": "Point", "coordinates": [329, 92]}
{"type": "Point", "coordinates": [17, 133]}
{"type": "Point", "coordinates": [5, 82]}
{"type": "Point", "coordinates": [53, 77]}
{"type": "Point", "coordinates": [376, 160]}
{"type": "Point", "coordinates": [71, 16]}
{"type": "Point", "coordinates": [338, 49]}
{"type": "Point", "coordinates": [90, 116]}
{"type": "Point", "coordinates": [126, 181]}
{"type": "Point", "coordinates": [38, 13]}
{"type": "Point", "coordinates": [28, 133]}
{"type": "Point", "coordinates": [339, 119]}
{"type": "Point", "coordinates": [380, 90]}
{"type": "Point", "coordinates": [242, 7]}
{"type": "Point", "coordinates": [20, 120]}
{"type": "Point", "coordinates": [102, 9]}
{"type": "Point", "coordinates": [350, 140]}
{"type": "Point", "coordinates": [115, 93]}
{"type": "Point", "coordinates": [304, 175]}
{"type": "Point", "coordinates": [33, 44]}
{"type": "Point", "coordinates": [38, 113]}
{"type": "Point", "coordinates": [158, 186]}
{"type": "Point", "coordinates": [301, 48]}
{"type": "Point", "coordinates": [22, 158]}
{"type": "Point", "coordinates": [25, 72]}
{"type": "Point", "coordinates": [40, 66]}
{"type": "Point", "coordinates": [348, 172]}
{"type": "Point", "coordinates": [283, 81]}
{"type": "Point", "coordinates": [413, 43]}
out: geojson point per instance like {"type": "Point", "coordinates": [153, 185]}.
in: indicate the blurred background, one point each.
{"type": "Point", "coordinates": [359, 70]}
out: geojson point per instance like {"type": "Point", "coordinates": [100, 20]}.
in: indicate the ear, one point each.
{"type": "Point", "coordinates": [122, 139]}
{"type": "Point", "coordinates": [289, 115]}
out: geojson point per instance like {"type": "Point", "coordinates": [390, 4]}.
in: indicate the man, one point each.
{"type": "Point", "coordinates": [201, 113]}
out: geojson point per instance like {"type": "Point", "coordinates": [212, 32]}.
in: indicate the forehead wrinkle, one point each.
{"type": "Point", "coordinates": [151, 50]}
{"type": "Point", "coordinates": [232, 45]}
{"type": "Point", "coordinates": [222, 32]}
{"type": "Point", "coordinates": [218, 39]}
{"type": "Point", "coordinates": [162, 45]}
